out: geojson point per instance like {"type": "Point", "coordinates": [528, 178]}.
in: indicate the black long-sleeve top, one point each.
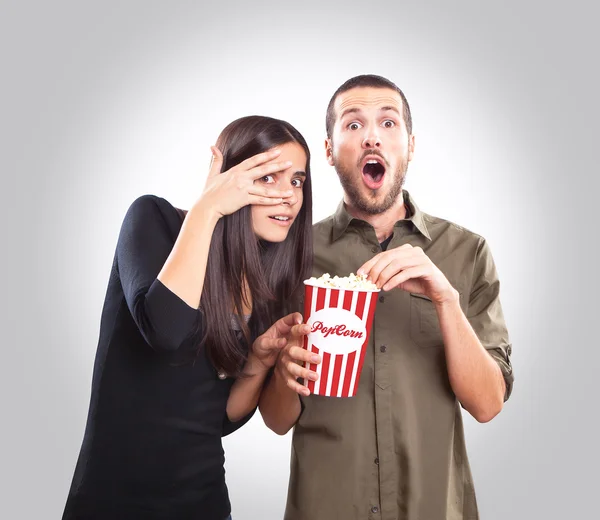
{"type": "Point", "coordinates": [152, 446]}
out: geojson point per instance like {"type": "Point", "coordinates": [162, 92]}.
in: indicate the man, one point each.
{"type": "Point", "coordinates": [396, 450]}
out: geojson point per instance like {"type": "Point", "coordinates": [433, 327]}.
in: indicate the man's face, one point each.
{"type": "Point", "coordinates": [370, 147]}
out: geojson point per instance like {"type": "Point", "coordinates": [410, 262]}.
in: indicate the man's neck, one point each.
{"type": "Point", "coordinates": [383, 223]}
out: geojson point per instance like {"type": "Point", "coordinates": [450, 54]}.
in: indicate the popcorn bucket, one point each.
{"type": "Point", "coordinates": [340, 321]}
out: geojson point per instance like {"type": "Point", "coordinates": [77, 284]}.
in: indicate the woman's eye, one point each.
{"type": "Point", "coordinates": [297, 183]}
{"type": "Point", "coordinates": [268, 179]}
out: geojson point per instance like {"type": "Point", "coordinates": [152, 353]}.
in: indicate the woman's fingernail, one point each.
{"type": "Point", "coordinates": [314, 358]}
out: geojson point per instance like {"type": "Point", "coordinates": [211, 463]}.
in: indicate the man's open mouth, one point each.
{"type": "Point", "coordinates": [373, 172]}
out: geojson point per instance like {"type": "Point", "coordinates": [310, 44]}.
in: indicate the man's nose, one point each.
{"type": "Point", "coordinates": [371, 139]}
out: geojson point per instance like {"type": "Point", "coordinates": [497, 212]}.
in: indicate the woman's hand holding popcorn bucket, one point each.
{"type": "Point", "coordinates": [294, 358]}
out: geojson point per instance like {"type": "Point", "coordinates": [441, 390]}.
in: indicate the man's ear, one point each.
{"type": "Point", "coordinates": [329, 151]}
{"type": "Point", "coordinates": [411, 147]}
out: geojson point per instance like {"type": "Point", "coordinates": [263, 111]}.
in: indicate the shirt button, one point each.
{"type": "Point", "coordinates": [376, 460]}
{"type": "Point", "coordinates": [383, 348]}
{"type": "Point", "coordinates": [382, 299]}
{"type": "Point", "coordinates": [374, 509]}
{"type": "Point", "coordinates": [375, 249]}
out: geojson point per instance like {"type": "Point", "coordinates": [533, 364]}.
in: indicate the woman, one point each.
{"type": "Point", "coordinates": [188, 294]}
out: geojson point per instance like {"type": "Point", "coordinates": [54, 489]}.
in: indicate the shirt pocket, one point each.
{"type": "Point", "coordinates": [424, 324]}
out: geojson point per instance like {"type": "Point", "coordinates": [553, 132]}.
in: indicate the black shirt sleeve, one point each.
{"type": "Point", "coordinates": [230, 427]}
{"type": "Point", "coordinates": [144, 244]}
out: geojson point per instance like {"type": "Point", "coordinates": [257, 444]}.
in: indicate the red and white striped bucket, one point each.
{"type": "Point", "coordinates": [340, 321]}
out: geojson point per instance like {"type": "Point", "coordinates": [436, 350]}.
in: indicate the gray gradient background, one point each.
{"type": "Point", "coordinates": [105, 101]}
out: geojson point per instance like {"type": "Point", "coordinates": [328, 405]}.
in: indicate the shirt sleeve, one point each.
{"type": "Point", "coordinates": [485, 313]}
{"type": "Point", "coordinates": [230, 427]}
{"type": "Point", "coordinates": [145, 242]}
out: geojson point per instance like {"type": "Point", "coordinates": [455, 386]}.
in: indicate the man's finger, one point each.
{"type": "Point", "coordinates": [366, 267]}
{"type": "Point", "coordinates": [396, 266]}
{"type": "Point", "coordinates": [384, 258]}
{"type": "Point", "coordinates": [378, 267]}
{"type": "Point", "coordinates": [414, 272]}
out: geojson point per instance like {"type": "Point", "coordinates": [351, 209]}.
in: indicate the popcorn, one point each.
{"type": "Point", "coordinates": [340, 313]}
{"type": "Point", "coordinates": [352, 282]}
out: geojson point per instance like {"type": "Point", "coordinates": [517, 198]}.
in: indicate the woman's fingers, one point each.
{"type": "Point", "coordinates": [272, 343]}
{"type": "Point", "coordinates": [297, 387]}
{"type": "Point", "coordinates": [301, 355]}
{"type": "Point", "coordinates": [264, 201]}
{"type": "Point", "coordinates": [267, 169]}
{"type": "Point", "coordinates": [298, 371]}
{"type": "Point", "coordinates": [257, 160]}
{"type": "Point", "coordinates": [263, 191]}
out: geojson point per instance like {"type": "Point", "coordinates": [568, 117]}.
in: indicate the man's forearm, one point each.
{"type": "Point", "coordinates": [474, 376]}
{"type": "Point", "coordinates": [279, 405]}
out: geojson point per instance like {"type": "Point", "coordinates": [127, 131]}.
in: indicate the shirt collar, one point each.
{"type": "Point", "coordinates": [342, 219]}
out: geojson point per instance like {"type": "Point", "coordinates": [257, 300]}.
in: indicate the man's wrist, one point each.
{"type": "Point", "coordinates": [448, 299]}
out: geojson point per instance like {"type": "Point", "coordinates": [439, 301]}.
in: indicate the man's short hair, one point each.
{"type": "Point", "coordinates": [367, 80]}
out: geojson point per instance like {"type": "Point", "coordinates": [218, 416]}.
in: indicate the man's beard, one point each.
{"type": "Point", "coordinates": [362, 203]}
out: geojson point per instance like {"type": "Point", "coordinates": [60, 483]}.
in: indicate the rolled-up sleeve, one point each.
{"type": "Point", "coordinates": [485, 314]}
{"type": "Point", "coordinates": [145, 242]}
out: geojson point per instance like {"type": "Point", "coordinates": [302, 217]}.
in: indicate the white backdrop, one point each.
{"type": "Point", "coordinates": [106, 101]}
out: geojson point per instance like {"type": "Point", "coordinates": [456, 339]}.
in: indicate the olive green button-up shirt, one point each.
{"type": "Point", "coordinates": [396, 451]}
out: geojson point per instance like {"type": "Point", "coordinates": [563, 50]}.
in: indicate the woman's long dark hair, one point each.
{"type": "Point", "coordinates": [274, 272]}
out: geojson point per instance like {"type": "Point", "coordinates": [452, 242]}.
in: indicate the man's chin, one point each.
{"type": "Point", "coordinates": [373, 201]}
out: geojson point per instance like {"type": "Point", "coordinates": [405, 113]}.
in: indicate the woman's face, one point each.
{"type": "Point", "coordinates": [272, 223]}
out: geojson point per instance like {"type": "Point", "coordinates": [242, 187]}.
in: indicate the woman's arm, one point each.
{"type": "Point", "coordinates": [265, 351]}
{"type": "Point", "coordinates": [279, 402]}
{"type": "Point", "coordinates": [245, 392]}
{"type": "Point", "coordinates": [183, 272]}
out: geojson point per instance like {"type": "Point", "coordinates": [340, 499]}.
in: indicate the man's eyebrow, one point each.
{"type": "Point", "coordinates": [351, 110]}
{"type": "Point", "coordinates": [354, 110]}
{"type": "Point", "coordinates": [393, 109]}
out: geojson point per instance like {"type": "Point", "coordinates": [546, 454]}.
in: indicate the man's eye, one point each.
{"type": "Point", "coordinates": [388, 123]}
{"type": "Point", "coordinates": [353, 126]}
{"type": "Point", "coordinates": [268, 179]}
